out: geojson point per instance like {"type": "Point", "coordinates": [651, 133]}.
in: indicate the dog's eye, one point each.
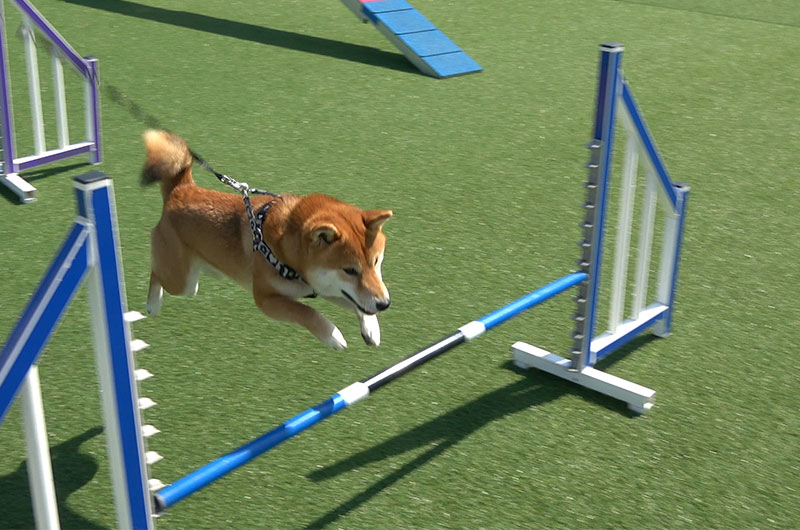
{"type": "Point", "coordinates": [350, 271]}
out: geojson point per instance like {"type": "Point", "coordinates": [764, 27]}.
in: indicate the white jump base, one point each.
{"type": "Point", "coordinates": [21, 187]}
{"type": "Point", "coordinates": [639, 399]}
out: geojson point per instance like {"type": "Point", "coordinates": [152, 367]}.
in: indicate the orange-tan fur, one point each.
{"type": "Point", "coordinates": [336, 247]}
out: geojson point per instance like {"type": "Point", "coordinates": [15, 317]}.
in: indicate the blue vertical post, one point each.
{"type": "Point", "coordinates": [114, 356]}
{"type": "Point", "coordinates": [609, 85]}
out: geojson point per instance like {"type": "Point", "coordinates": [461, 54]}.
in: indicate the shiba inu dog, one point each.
{"type": "Point", "coordinates": [335, 248]}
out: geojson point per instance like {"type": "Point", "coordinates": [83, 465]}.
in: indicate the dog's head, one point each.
{"type": "Point", "coordinates": [344, 252]}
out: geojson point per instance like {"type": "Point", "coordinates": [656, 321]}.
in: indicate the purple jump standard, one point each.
{"type": "Point", "coordinates": [356, 392]}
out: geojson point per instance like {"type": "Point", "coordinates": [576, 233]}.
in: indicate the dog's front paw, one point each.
{"type": "Point", "coordinates": [370, 329]}
{"type": "Point", "coordinates": [335, 340]}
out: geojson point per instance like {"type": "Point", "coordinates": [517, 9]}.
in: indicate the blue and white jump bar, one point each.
{"type": "Point", "coordinates": [354, 393]}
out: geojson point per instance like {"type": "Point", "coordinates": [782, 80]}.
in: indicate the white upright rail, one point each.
{"type": "Point", "coordinates": [622, 249]}
{"type": "Point", "coordinates": [34, 85]}
{"type": "Point", "coordinates": [40, 469]}
{"type": "Point", "coordinates": [60, 96]}
{"type": "Point", "coordinates": [646, 232]}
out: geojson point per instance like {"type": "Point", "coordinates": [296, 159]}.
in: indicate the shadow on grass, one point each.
{"type": "Point", "coordinates": [709, 13]}
{"type": "Point", "coordinates": [10, 196]}
{"type": "Point", "coordinates": [260, 34]}
{"type": "Point", "coordinates": [71, 470]}
{"type": "Point", "coordinates": [442, 433]}
{"type": "Point", "coordinates": [38, 174]}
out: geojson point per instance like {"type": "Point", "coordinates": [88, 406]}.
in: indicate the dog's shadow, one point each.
{"type": "Point", "coordinates": [260, 34]}
{"type": "Point", "coordinates": [71, 471]}
{"type": "Point", "coordinates": [441, 433]}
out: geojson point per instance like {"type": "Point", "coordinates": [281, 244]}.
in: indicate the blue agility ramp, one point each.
{"type": "Point", "coordinates": [420, 41]}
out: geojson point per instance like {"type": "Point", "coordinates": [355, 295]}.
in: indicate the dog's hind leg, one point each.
{"type": "Point", "coordinates": [193, 279]}
{"type": "Point", "coordinates": [172, 269]}
{"type": "Point", "coordinates": [155, 295]}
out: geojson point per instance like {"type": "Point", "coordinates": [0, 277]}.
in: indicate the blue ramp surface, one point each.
{"type": "Point", "coordinates": [420, 41]}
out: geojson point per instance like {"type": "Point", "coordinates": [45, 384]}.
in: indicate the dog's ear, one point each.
{"type": "Point", "coordinates": [374, 219]}
{"type": "Point", "coordinates": [325, 233]}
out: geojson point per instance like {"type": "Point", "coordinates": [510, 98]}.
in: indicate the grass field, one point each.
{"type": "Point", "coordinates": [485, 175]}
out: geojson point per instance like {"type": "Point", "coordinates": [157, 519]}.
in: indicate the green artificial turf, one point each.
{"type": "Point", "coordinates": [485, 176]}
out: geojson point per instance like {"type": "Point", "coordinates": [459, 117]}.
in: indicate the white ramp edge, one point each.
{"type": "Point", "coordinates": [639, 399]}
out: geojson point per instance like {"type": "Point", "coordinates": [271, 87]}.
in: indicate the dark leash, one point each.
{"type": "Point", "coordinates": [230, 181]}
{"type": "Point", "coordinates": [256, 220]}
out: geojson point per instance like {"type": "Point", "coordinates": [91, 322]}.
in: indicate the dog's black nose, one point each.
{"type": "Point", "coordinates": [383, 306]}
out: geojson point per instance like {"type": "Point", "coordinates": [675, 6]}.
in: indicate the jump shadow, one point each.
{"type": "Point", "coordinates": [253, 33]}
{"type": "Point", "coordinates": [639, 342]}
{"type": "Point", "coordinates": [71, 471]}
{"type": "Point", "coordinates": [438, 435]}
{"type": "Point", "coordinates": [710, 13]}
{"type": "Point", "coordinates": [445, 431]}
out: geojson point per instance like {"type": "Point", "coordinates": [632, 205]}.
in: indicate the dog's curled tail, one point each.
{"type": "Point", "coordinates": [169, 160]}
